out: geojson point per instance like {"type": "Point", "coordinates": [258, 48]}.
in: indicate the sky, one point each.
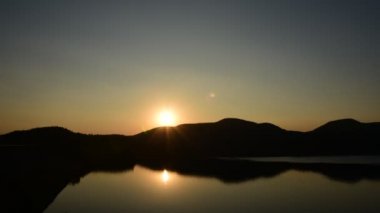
{"type": "Point", "coordinates": [111, 66]}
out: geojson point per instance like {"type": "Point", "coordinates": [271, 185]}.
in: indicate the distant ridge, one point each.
{"type": "Point", "coordinates": [343, 124]}
{"type": "Point", "coordinates": [235, 120]}
{"type": "Point", "coordinates": [230, 137]}
{"type": "Point", "coordinates": [42, 130]}
{"type": "Point", "coordinates": [38, 135]}
{"type": "Point", "coordinates": [347, 124]}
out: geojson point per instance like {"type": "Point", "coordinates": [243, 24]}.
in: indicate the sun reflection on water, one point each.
{"type": "Point", "coordinates": [165, 176]}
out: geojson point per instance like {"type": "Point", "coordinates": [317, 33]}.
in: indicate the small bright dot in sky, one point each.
{"type": "Point", "coordinates": [212, 95]}
{"type": "Point", "coordinates": [166, 118]}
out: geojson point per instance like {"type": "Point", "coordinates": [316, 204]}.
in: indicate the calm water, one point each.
{"type": "Point", "coordinates": [145, 190]}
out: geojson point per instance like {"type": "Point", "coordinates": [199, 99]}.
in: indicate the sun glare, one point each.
{"type": "Point", "coordinates": [166, 118]}
{"type": "Point", "coordinates": [165, 177]}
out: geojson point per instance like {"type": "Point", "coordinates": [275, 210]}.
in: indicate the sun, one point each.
{"type": "Point", "coordinates": [166, 118]}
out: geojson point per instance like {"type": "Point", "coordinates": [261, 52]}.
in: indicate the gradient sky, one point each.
{"type": "Point", "coordinates": [110, 66]}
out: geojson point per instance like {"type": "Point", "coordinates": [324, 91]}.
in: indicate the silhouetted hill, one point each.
{"type": "Point", "coordinates": [229, 137]}
{"type": "Point", "coordinates": [239, 123]}
{"type": "Point", "coordinates": [234, 137]}
{"type": "Point", "coordinates": [343, 125]}
{"type": "Point", "coordinates": [346, 136]}
{"type": "Point", "coordinates": [39, 136]}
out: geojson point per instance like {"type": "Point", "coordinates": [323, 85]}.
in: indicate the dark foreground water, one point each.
{"type": "Point", "coordinates": [161, 190]}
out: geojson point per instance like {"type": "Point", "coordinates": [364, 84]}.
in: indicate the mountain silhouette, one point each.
{"type": "Point", "coordinates": [227, 137]}
{"type": "Point", "coordinates": [230, 137]}
{"type": "Point", "coordinates": [235, 137]}
{"type": "Point", "coordinates": [38, 135]}
{"type": "Point", "coordinates": [342, 125]}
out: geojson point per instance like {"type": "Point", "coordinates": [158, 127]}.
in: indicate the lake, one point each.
{"type": "Point", "coordinates": [151, 189]}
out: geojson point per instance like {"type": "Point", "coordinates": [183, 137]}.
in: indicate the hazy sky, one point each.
{"type": "Point", "coordinates": [110, 66]}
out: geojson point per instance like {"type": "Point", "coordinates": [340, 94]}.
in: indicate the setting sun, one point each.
{"type": "Point", "coordinates": [166, 118]}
